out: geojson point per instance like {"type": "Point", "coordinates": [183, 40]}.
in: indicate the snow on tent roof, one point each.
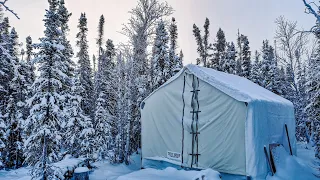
{"type": "Point", "coordinates": [235, 86]}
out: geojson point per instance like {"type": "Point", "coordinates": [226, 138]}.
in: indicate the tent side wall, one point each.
{"type": "Point", "coordinates": [265, 125]}
{"type": "Point", "coordinates": [221, 126]}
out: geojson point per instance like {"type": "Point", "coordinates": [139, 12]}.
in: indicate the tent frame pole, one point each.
{"type": "Point", "coordinates": [182, 122]}
{"type": "Point", "coordinates": [195, 119]}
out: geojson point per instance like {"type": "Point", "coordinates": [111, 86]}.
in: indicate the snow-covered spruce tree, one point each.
{"type": "Point", "coordinates": [94, 64]}
{"type": "Point", "coordinates": [229, 64]}
{"type": "Point", "coordinates": [85, 70]}
{"type": "Point", "coordinates": [290, 81]}
{"type": "Point", "coordinates": [301, 103]}
{"type": "Point", "coordinates": [265, 63]}
{"type": "Point", "coordinates": [269, 69]}
{"type": "Point", "coordinates": [284, 84]}
{"type": "Point", "coordinates": [79, 130]}
{"type": "Point", "coordinates": [204, 47]}
{"type": "Point", "coordinates": [67, 51]}
{"type": "Point", "coordinates": [29, 48]}
{"type": "Point", "coordinates": [5, 76]}
{"type": "Point", "coordinates": [109, 86]}
{"type": "Point", "coordinates": [200, 49]}
{"type": "Point", "coordinates": [219, 48]}
{"type": "Point", "coordinates": [239, 52]}
{"type": "Point", "coordinates": [181, 57]}
{"type": "Point", "coordinates": [106, 102]}
{"type": "Point", "coordinates": [100, 38]}
{"type": "Point", "coordinates": [256, 76]}
{"type": "Point", "coordinates": [3, 128]}
{"type": "Point", "coordinates": [274, 84]}
{"type": "Point", "coordinates": [31, 69]}
{"type": "Point", "coordinates": [118, 153]}
{"type": "Point", "coordinates": [313, 91]}
{"type": "Point", "coordinates": [175, 64]}
{"type": "Point", "coordinates": [161, 58]}
{"type": "Point", "coordinates": [5, 65]}
{"type": "Point", "coordinates": [47, 117]}
{"type": "Point", "coordinates": [102, 137]}
{"type": "Point", "coordinates": [246, 57]}
{"type": "Point", "coordinates": [132, 126]}
{"type": "Point", "coordinates": [108, 73]}
{"type": "Point", "coordinates": [97, 74]}
{"type": "Point", "coordinates": [67, 54]}
{"type": "Point", "coordinates": [16, 110]}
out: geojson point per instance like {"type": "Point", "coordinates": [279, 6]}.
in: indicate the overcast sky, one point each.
{"type": "Point", "coordinates": [254, 18]}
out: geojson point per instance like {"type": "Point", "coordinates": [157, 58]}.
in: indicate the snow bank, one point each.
{"type": "Point", "coordinates": [108, 171]}
{"type": "Point", "coordinates": [171, 173]}
{"type": "Point", "coordinates": [290, 167]}
{"type": "Point", "coordinates": [18, 174]}
{"type": "Point", "coordinates": [81, 170]}
{"type": "Point", "coordinates": [68, 164]}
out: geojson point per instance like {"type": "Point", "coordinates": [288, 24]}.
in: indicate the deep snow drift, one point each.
{"type": "Point", "coordinates": [289, 167]}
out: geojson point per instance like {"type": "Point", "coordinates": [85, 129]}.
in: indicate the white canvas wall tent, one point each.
{"type": "Point", "coordinates": [203, 118]}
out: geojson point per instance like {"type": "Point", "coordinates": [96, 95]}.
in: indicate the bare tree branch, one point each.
{"type": "Point", "coordinates": [311, 10]}
{"type": "Point", "coordinates": [3, 3]}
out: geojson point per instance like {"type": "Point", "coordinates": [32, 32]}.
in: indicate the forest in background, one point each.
{"type": "Point", "coordinates": [52, 106]}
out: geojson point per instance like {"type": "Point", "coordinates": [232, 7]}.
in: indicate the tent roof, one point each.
{"type": "Point", "coordinates": [235, 86]}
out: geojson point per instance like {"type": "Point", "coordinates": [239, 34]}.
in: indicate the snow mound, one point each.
{"type": "Point", "coordinates": [171, 173]}
{"type": "Point", "coordinates": [290, 167]}
{"type": "Point", "coordinates": [207, 174]}
{"type": "Point", "coordinates": [81, 170]}
{"type": "Point", "coordinates": [68, 163]}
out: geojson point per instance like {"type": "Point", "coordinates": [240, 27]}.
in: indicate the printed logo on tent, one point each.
{"type": "Point", "coordinates": [174, 156]}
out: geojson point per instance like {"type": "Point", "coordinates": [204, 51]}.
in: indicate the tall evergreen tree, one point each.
{"type": "Point", "coordinates": [106, 102]}
{"type": "Point", "coordinates": [301, 116]}
{"type": "Point", "coordinates": [239, 60]}
{"type": "Point", "coordinates": [313, 90]}
{"type": "Point", "coordinates": [102, 128]}
{"type": "Point", "coordinates": [5, 76]}
{"type": "Point", "coordinates": [204, 47]}
{"type": "Point", "coordinates": [97, 75]}
{"type": "Point", "coordinates": [67, 51]}
{"type": "Point", "coordinates": [181, 57]}
{"type": "Point", "coordinates": [219, 50]}
{"type": "Point", "coordinates": [47, 117]}
{"type": "Point", "coordinates": [29, 52]}
{"type": "Point", "coordinates": [85, 70]}
{"type": "Point", "coordinates": [120, 145]}
{"type": "Point", "coordinates": [79, 130]}
{"type": "Point", "coordinates": [229, 64]}
{"type": "Point", "coordinates": [200, 49]}
{"type": "Point", "coordinates": [161, 59]}
{"type": "Point", "coordinates": [265, 63]}
{"type": "Point", "coordinates": [173, 57]}
{"type": "Point", "coordinates": [15, 106]}
{"type": "Point", "coordinates": [246, 57]}
{"type": "Point", "coordinates": [100, 38]}
{"type": "Point", "coordinates": [256, 70]}
{"type": "Point", "coordinates": [94, 64]}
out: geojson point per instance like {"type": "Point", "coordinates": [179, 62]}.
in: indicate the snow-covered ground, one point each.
{"type": "Point", "coordinates": [288, 168]}
{"type": "Point", "coordinates": [19, 174]}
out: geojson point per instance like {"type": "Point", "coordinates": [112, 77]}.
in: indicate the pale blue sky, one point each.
{"type": "Point", "coordinates": [254, 18]}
